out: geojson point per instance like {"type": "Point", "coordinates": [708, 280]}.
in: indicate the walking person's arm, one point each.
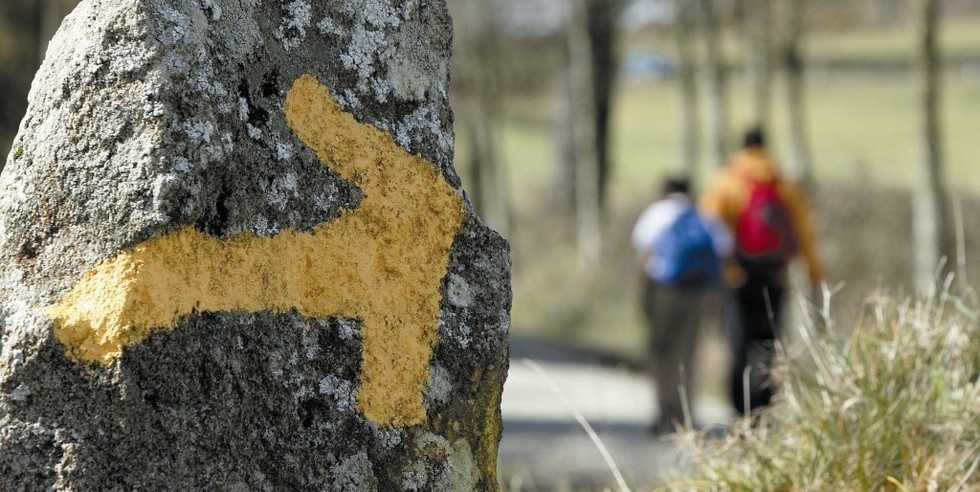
{"type": "Point", "coordinates": [804, 231]}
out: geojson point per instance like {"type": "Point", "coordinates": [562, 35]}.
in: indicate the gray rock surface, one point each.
{"type": "Point", "coordinates": [155, 116]}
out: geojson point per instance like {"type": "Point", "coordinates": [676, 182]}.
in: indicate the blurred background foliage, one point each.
{"type": "Point", "coordinates": [570, 112]}
{"type": "Point", "coordinates": [860, 107]}
{"type": "Point", "coordinates": [25, 28]}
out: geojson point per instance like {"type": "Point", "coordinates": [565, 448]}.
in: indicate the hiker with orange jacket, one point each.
{"type": "Point", "coordinates": [769, 220]}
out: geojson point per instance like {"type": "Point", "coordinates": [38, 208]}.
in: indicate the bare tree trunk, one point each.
{"type": "Point", "coordinates": [489, 188]}
{"type": "Point", "coordinates": [563, 182]}
{"type": "Point", "coordinates": [793, 68]}
{"type": "Point", "coordinates": [584, 133]}
{"type": "Point", "coordinates": [687, 85]}
{"type": "Point", "coordinates": [582, 128]}
{"type": "Point", "coordinates": [602, 37]}
{"type": "Point", "coordinates": [714, 75]}
{"type": "Point", "coordinates": [757, 24]}
{"type": "Point", "coordinates": [476, 70]}
{"type": "Point", "coordinates": [929, 196]}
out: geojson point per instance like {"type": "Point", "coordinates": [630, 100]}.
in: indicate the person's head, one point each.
{"type": "Point", "coordinates": [676, 185]}
{"type": "Point", "coordinates": [755, 137]}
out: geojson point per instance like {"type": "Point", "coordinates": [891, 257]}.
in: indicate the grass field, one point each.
{"type": "Point", "coordinates": [863, 127]}
{"type": "Point", "coordinates": [843, 395]}
{"type": "Point", "coordinates": [844, 45]}
{"type": "Point", "coordinates": [865, 144]}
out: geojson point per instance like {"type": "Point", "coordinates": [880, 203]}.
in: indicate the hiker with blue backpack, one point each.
{"type": "Point", "coordinates": [681, 252]}
{"type": "Point", "coordinates": [770, 222]}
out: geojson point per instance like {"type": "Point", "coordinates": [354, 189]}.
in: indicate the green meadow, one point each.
{"type": "Point", "coordinates": [879, 388]}
{"type": "Point", "coordinates": [863, 118]}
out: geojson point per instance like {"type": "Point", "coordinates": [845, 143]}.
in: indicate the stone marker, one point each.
{"type": "Point", "coordinates": [236, 256]}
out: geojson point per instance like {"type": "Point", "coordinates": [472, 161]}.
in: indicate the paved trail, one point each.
{"type": "Point", "coordinates": [544, 448]}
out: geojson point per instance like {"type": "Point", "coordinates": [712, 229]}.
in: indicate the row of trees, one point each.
{"type": "Point", "coordinates": [772, 34]}
{"type": "Point", "coordinates": [763, 19]}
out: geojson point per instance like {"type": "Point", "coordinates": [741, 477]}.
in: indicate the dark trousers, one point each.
{"type": "Point", "coordinates": [752, 319]}
{"type": "Point", "coordinates": [674, 318]}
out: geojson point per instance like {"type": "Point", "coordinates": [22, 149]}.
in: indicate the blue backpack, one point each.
{"type": "Point", "coordinates": [684, 254]}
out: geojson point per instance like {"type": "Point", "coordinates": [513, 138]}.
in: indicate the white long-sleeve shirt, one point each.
{"type": "Point", "coordinates": [660, 215]}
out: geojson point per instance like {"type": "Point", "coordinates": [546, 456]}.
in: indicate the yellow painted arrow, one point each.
{"type": "Point", "coordinates": [382, 263]}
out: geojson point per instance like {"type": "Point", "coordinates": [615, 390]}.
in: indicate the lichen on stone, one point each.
{"type": "Point", "coordinates": [388, 437]}
{"type": "Point", "coordinates": [296, 18]}
{"type": "Point", "coordinates": [340, 392]}
{"type": "Point", "coordinates": [353, 473]}
{"type": "Point", "coordinates": [461, 472]}
{"type": "Point", "coordinates": [458, 333]}
{"type": "Point", "coordinates": [284, 150]}
{"type": "Point", "coordinates": [154, 117]}
{"type": "Point", "coordinates": [454, 467]}
{"type": "Point", "coordinates": [440, 386]}
{"type": "Point", "coordinates": [20, 393]}
{"type": "Point", "coordinates": [424, 120]}
{"type": "Point", "coordinates": [407, 62]}
{"type": "Point", "coordinates": [458, 291]}
{"type": "Point", "coordinates": [214, 7]}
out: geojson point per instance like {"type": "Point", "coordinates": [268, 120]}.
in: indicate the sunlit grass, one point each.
{"type": "Point", "coordinates": [867, 129]}
{"type": "Point", "coordinates": [864, 134]}
{"type": "Point", "coordinates": [890, 45]}
{"type": "Point", "coordinates": [895, 43]}
{"type": "Point", "coordinates": [898, 375]}
{"type": "Point", "coordinates": [862, 127]}
{"type": "Point", "coordinates": [894, 407]}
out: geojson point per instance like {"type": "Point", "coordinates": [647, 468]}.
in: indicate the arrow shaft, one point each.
{"type": "Point", "coordinates": [382, 263]}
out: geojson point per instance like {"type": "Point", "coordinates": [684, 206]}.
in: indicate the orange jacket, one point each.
{"type": "Point", "coordinates": [730, 194]}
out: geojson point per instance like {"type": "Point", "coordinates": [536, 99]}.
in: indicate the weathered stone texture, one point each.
{"type": "Point", "coordinates": [151, 117]}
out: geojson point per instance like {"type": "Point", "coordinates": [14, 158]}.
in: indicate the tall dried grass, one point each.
{"type": "Point", "coordinates": [895, 406]}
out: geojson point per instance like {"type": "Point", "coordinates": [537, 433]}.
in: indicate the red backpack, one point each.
{"type": "Point", "coordinates": [764, 230]}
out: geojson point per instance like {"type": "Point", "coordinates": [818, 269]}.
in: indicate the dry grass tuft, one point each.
{"type": "Point", "coordinates": [893, 407]}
